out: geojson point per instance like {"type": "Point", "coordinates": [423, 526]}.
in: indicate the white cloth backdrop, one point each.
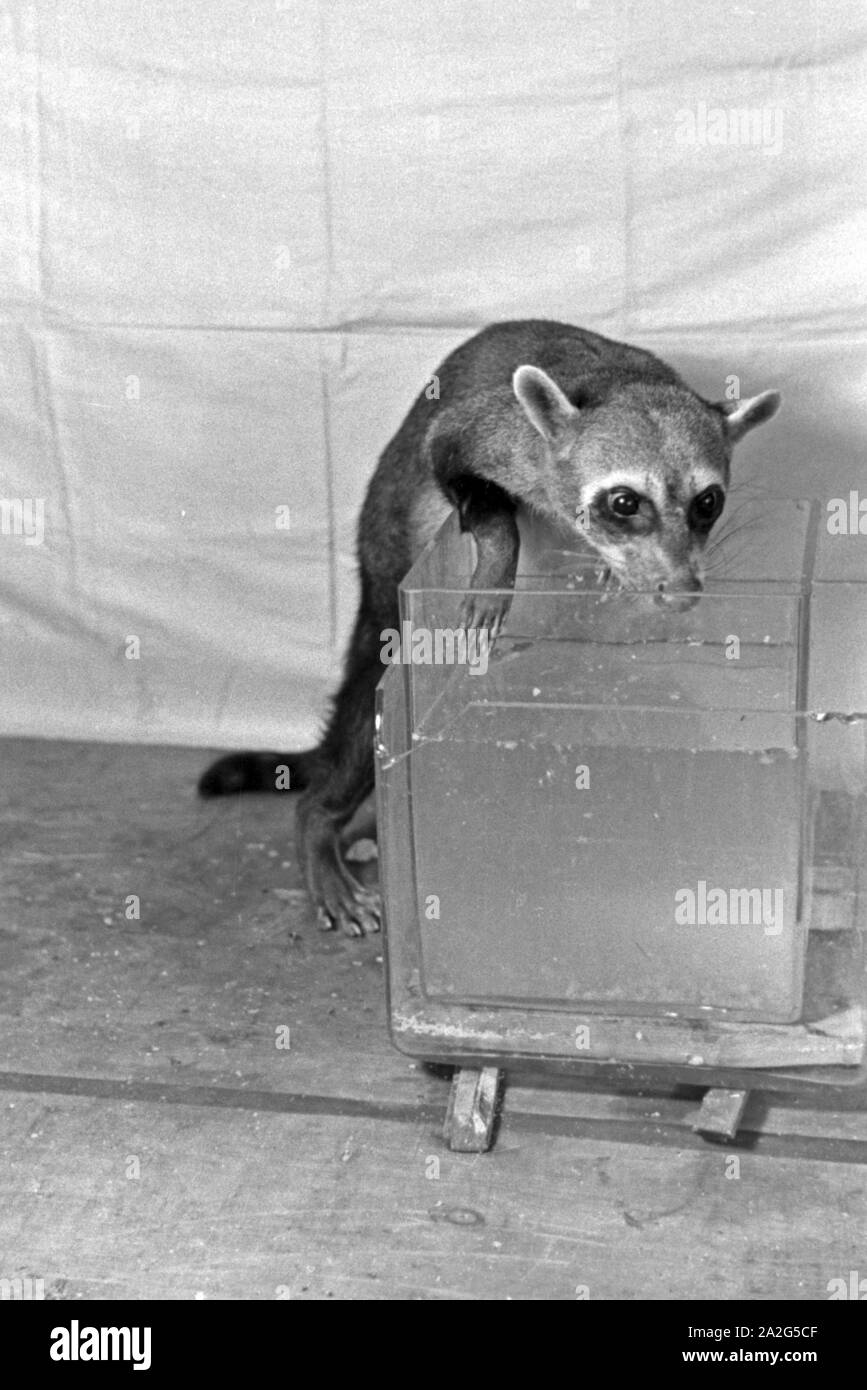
{"type": "Point", "coordinates": [237, 235]}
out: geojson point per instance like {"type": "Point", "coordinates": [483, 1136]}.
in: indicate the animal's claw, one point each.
{"type": "Point", "coordinates": [355, 912]}
{"type": "Point", "coordinates": [484, 612]}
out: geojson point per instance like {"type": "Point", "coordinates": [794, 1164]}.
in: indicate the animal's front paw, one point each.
{"type": "Point", "coordinates": [484, 611]}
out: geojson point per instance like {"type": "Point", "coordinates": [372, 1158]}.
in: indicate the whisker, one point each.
{"type": "Point", "coordinates": [723, 562]}
{"type": "Point", "coordinates": [717, 542]}
{"type": "Point", "coordinates": [745, 529]}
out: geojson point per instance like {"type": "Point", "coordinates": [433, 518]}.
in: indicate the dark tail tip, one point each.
{"type": "Point", "coordinates": [255, 772]}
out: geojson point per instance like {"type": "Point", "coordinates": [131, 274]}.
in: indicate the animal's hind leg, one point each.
{"type": "Point", "coordinates": [344, 780]}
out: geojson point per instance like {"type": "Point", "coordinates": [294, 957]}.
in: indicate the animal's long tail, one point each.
{"type": "Point", "coordinates": [258, 772]}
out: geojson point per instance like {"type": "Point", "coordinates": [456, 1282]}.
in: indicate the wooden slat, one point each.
{"type": "Point", "coordinates": [239, 1205]}
{"type": "Point", "coordinates": [485, 1033]}
{"type": "Point", "coordinates": [818, 1117]}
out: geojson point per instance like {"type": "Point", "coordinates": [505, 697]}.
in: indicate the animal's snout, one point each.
{"type": "Point", "coordinates": [680, 594]}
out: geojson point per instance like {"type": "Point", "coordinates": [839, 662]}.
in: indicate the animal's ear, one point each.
{"type": "Point", "coordinates": [743, 416]}
{"type": "Point", "coordinates": [545, 405]}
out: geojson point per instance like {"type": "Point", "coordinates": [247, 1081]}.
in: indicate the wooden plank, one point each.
{"type": "Point", "coordinates": [143, 1201]}
{"type": "Point", "coordinates": [223, 959]}
{"type": "Point", "coordinates": [225, 1194]}
{"type": "Point", "coordinates": [463, 1034]}
{"type": "Point", "coordinates": [820, 1117]}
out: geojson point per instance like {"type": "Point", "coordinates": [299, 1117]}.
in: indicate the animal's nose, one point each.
{"type": "Point", "coordinates": [680, 595]}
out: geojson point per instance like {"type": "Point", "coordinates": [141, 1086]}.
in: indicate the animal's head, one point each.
{"type": "Point", "coordinates": [643, 475]}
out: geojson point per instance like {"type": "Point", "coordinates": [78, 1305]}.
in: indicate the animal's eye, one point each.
{"type": "Point", "coordinates": [622, 502]}
{"type": "Point", "coordinates": [707, 506]}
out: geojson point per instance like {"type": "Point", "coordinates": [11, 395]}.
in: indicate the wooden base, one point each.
{"type": "Point", "coordinates": [721, 1113]}
{"type": "Point", "coordinates": [472, 1109]}
{"type": "Point", "coordinates": [474, 1103]}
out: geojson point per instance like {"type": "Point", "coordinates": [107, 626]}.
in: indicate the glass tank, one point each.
{"type": "Point", "coordinates": [627, 831]}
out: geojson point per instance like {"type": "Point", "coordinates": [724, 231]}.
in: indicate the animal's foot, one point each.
{"type": "Point", "coordinates": [342, 904]}
{"type": "Point", "coordinates": [484, 611]}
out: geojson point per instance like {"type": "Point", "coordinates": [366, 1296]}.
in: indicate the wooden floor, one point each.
{"type": "Point", "coordinates": [156, 1142]}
